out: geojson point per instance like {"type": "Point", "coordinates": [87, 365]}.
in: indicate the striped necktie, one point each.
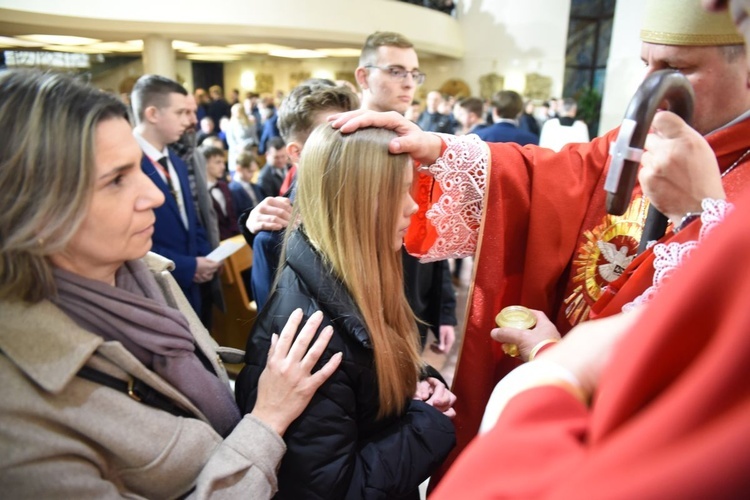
{"type": "Point", "coordinates": [165, 163]}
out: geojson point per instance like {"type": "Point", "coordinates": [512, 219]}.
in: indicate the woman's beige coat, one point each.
{"type": "Point", "coordinates": [64, 437]}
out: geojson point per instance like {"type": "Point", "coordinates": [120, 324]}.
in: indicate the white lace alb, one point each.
{"type": "Point", "coordinates": [461, 173]}
{"type": "Point", "coordinates": [668, 257]}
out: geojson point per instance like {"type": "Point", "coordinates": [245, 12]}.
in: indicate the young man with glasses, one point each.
{"type": "Point", "coordinates": [388, 72]}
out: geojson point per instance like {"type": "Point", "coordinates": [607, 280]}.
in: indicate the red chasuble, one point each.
{"type": "Point", "coordinates": [670, 417]}
{"type": "Point", "coordinates": [547, 243]}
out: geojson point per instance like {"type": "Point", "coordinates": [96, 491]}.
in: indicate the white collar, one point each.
{"type": "Point", "coordinates": [744, 116]}
{"type": "Point", "coordinates": [148, 148]}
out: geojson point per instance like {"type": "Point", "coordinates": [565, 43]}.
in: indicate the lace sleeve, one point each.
{"type": "Point", "coordinates": [461, 173]}
{"type": "Point", "coordinates": [668, 257]}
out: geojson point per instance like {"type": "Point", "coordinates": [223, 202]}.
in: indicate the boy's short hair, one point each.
{"type": "Point", "coordinates": [381, 39]}
{"type": "Point", "coordinates": [472, 105]}
{"type": "Point", "coordinates": [508, 104]}
{"type": "Point", "coordinates": [299, 109]}
{"type": "Point", "coordinates": [212, 141]}
{"type": "Point", "coordinates": [245, 159]}
{"type": "Point", "coordinates": [211, 151]}
{"type": "Point", "coordinates": [153, 90]}
{"type": "Point", "coordinates": [276, 143]}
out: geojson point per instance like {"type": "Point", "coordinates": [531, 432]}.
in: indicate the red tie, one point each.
{"type": "Point", "coordinates": [165, 170]}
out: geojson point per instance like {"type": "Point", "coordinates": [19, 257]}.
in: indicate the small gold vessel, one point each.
{"type": "Point", "coordinates": [515, 317]}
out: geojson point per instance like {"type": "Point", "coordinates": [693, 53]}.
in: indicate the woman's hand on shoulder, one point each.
{"type": "Point", "coordinates": [287, 385]}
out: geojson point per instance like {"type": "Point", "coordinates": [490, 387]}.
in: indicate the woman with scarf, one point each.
{"type": "Point", "coordinates": [111, 386]}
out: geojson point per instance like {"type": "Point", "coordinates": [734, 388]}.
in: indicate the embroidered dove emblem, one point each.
{"type": "Point", "coordinates": [617, 260]}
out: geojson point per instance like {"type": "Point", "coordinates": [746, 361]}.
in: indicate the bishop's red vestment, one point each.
{"type": "Point", "coordinates": [536, 223]}
{"type": "Point", "coordinates": [670, 415]}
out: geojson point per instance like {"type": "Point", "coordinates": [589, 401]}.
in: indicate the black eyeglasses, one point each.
{"type": "Point", "coordinates": [399, 73]}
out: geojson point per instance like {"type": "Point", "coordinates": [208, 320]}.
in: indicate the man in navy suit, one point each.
{"type": "Point", "coordinates": [469, 112]}
{"type": "Point", "coordinates": [506, 107]}
{"type": "Point", "coordinates": [160, 109]}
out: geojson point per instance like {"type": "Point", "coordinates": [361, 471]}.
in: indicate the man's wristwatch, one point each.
{"type": "Point", "coordinates": [689, 217]}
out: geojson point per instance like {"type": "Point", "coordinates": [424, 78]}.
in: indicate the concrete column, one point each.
{"type": "Point", "coordinates": [625, 69]}
{"type": "Point", "coordinates": [158, 56]}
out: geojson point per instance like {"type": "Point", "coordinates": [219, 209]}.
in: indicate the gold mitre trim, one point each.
{"type": "Point", "coordinates": [684, 22]}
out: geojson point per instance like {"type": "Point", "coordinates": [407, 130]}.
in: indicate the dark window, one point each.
{"type": "Point", "coordinates": [589, 36]}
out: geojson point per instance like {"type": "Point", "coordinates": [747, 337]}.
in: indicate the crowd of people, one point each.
{"type": "Point", "coordinates": [506, 117]}
{"type": "Point", "coordinates": [251, 133]}
{"type": "Point", "coordinates": [630, 384]}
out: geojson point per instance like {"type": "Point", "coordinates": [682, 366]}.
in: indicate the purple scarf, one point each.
{"type": "Point", "coordinates": [135, 313]}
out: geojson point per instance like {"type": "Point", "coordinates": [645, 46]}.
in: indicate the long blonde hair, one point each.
{"type": "Point", "coordinates": [348, 190]}
{"type": "Point", "coordinates": [238, 114]}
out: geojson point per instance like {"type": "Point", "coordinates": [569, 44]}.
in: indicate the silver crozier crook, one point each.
{"type": "Point", "coordinates": [661, 86]}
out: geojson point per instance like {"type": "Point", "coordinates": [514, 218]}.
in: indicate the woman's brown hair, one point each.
{"type": "Point", "coordinates": [47, 125]}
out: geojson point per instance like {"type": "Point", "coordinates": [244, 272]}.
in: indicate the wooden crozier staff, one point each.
{"type": "Point", "coordinates": [661, 87]}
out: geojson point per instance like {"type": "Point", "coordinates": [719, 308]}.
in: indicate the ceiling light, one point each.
{"type": "Point", "coordinates": [258, 48]}
{"type": "Point", "coordinates": [182, 44]}
{"type": "Point", "coordinates": [211, 49]}
{"type": "Point", "coordinates": [114, 47]}
{"type": "Point", "coordinates": [15, 42]}
{"type": "Point", "coordinates": [343, 52]}
{"type": "Point", "coordinates": [214, 57]}
{"type": "Point", "coordinates": [297, 54]}
{"type": "Point", "coordinates": [75, 49]}
{"type": "Point", "coordinates": [59, 39]}
{"type": "Point", "coordinates": [176, 44]}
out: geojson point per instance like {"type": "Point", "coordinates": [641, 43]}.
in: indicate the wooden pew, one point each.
{"type": "Point", "coordinates": [232, 327]}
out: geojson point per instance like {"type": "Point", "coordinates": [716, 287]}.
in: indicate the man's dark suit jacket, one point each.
{"type": "Point", "coordinates": [507, 132]}
{"type": "Point", "coordinates": [171, 239]}
{"type": "Point", "coordinates": [241, 199]}
{"type": "Point", "coordinates": [269, 181]}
